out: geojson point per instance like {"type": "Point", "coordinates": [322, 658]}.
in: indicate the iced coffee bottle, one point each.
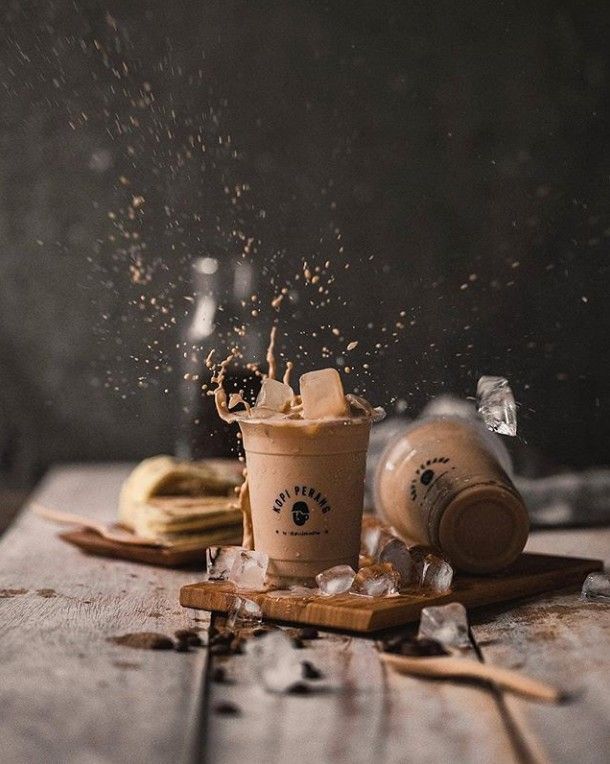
{"type": "Point", "coordinates": [444, 482]}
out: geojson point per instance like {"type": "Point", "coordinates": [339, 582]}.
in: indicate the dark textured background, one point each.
{"type": "Point", "coordinates": [419, 142]}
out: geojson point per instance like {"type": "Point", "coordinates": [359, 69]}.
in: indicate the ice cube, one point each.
{"type": "Point", "coordinates": [596, 587]}
{"type": "Point", "coordinates": [447, 624]}
{"type": "Point", "coordinates": [336, 580]}
{"type": "Point", "coordinates": [219, 561]}
{"type": "Point", "coordinates": [246, 568]}
{"type": "Point", "coordinates": [437, 574]}
{"type": "Point", "coordinates": [244, 612]}
{"type": "Point", "coordinates": [496, 405]}
{"type": "Point", "coordinates": [376, 580]}
{"type": "Point", "coordinates": [322, 395]}
{"type": "Point", "coordinates": [274, 395]}
{"type": "Point", "coordinates": [276, 661]}
{"type": "Point", "coordinates": [396, 552]}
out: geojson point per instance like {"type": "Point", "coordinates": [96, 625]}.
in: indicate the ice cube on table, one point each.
{"type": "Point", "coordinates": [276, 661]}
{"type": "Point", "coordinates": [447, 624]}
{"type": "Point", "coordinates": [596, 587]}
{"type": "Point", "coordinates": [335, 580]}
{"type": "Point", "coordinates": [274, 395]}
{"type": "Point", "coordinates": [396, 552]}
{"type": "Point", "coordinates": [244, 612]}
{"type": "Point", "coordinates": [418, 553]}
{"type": "Point", "coordinates": [246, 568]}
{"type": "Point", "coordinates": [219, 561]}
{"type": "Point", "coordinates": [496, 405]}
{"type": "Point", "coordinates": [377, 580]}
{"type": "Point", "coordinates": [322, 395]}
{"type": "Point", "coordinates": [436, 574]}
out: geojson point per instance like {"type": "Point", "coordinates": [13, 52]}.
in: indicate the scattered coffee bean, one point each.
{"type": "Point", "coordinates": [413, 647]}
{"type": "Point", "coordinates": [309, 671]}
{"type": "Point", "coordinates": [6, 594]}
{"type": "Point", "coordinates": [182, 646]}
{"type": "Point", "coordinates": [218, 675]}
{"type": "Point", "coordinates": [308, 632]}
{"type": "Point", "coordinates": [144, 640]}
{"type": "Point", "coordinates": [298, 688]}
{"type": "Point", "coordinates": [227, 709]}
{"type": "Point", "coordinates": [189, 636]}
{"type": "Point", "coordinates": [221, 639]}
{"type": "Point", "coordinates": [220, 649]}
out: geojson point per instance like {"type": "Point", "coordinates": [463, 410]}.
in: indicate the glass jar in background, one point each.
{"type": "Point", "coordinates": [221, 291]}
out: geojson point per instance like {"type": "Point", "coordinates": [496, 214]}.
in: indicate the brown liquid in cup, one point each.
{"type": "Point", "coordinates": [306, 493]}
{"type": "Point", "coordinates": [440, 483]}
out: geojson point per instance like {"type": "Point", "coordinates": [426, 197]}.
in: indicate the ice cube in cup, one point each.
{"type": "Point", "coordinates": [274, 395]}
{"type": "Point", "coordinates": [496, 405]}
{"type": "Point", "coordinates": [322, 395]}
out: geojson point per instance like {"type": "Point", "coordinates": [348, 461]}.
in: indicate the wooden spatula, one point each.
{"type": "Point", "coordinates": [451, 667]}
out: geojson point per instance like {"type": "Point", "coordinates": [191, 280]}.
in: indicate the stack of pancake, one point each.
{"type": "Point", "coordinates": [176, 503]}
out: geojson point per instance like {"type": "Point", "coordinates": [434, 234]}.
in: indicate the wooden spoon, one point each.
{"type": "Point", "coordinates": [464, 668]}
{"type": "Point", "coordinates": [112, 533]}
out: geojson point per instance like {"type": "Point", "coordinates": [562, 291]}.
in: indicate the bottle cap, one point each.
{"type": "Point", "coordinates": [483, 528]}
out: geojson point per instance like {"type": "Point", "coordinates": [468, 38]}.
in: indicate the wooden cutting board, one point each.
{"type": "Point", "coordinates": [530, 574]}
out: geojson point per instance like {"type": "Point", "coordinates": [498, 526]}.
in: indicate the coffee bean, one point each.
{"type": "Point", "coordinates": [308, 632]}
{"type": "Point", "coordinates": [227, 709]}
{"type": "Point", "coordinates": [189, 636]}
{"type": "Point", "coordinates": [218, 675]}
{"type": "Point", "coordinates": [298, 688]}
{"type": "Point", "coordinates": [309, 671]}
{"type": "Point", "coordinates": [144, 640]}
{"type": "Point", "coordinates": [415, 647]}
{"type": "Point", "coordinates": [220, 649]}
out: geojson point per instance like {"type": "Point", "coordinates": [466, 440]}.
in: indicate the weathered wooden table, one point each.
{"type": "Point", "coordinates": [67, 694]}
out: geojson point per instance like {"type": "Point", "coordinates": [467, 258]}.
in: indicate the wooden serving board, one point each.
{"type": "Point", "coordinates": [167, 557]}
{"type": "Point", "coordinates": [530, 574]}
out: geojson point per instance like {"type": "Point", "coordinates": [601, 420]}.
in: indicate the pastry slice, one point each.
{"type": "Point", "coordinates": [164, 499]}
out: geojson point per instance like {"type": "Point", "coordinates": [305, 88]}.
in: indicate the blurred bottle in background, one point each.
{"type": "Point", "coordinates": [219, 320]}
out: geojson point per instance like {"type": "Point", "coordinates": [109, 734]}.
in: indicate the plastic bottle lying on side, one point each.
{"type": "Point", "coordinates": [444, 481]}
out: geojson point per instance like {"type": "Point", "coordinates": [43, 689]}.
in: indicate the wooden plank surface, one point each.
{"type": "Point", "coordinates": [69, 695]}
{"type": "Point", "coordinates": [563, 640]}
{"type": "Point", "coordinates": [530, 574]}
{"type": "Point", "coordinates": [66, 693]}
{"type": "Point", "coordinates": [371, 714]}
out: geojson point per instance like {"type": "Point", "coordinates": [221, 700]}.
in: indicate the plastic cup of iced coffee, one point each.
{"type": "Point", "coordinates": [305, 458]}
